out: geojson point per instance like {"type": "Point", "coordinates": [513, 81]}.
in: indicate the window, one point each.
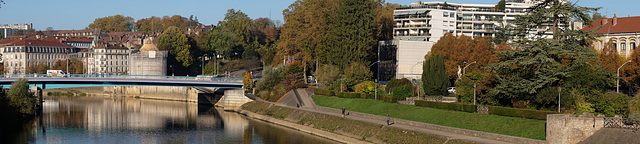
{"type": "Point", "coordinates": [623, 46]}
{"type": "Point", "coordinates": [633, 46]}
{"type": "Point", "coordinates": [445, 23]}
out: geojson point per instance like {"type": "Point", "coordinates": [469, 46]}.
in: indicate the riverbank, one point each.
{"type": "Point", "coordinates": [338, 128]}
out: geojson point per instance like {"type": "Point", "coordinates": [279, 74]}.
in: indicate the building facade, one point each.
{"type": "Point", "coordinates": [22, 56]}
{"type": "Point", "coordinates": [8, 30]}
{"type": "Point", "coordinates": [108, 59]}
{"type": "Point", "coordinates": [428, 21]}
{"type": "Point", "coordinates": [622, 32]}
{"type": "Point", "coordinates": [149, 60]}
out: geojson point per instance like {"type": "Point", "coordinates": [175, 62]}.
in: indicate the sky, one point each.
{"type": "Point", "coordinates": [78, 14]}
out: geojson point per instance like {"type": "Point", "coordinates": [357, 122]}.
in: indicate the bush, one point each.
{"type": "Point", "coordinates": [389, 99]}
{"type": "Point", "coordinates": [523, 113]}
{"type": "Point", "coordinates": [325, 92]}
{"type": "Point", "coordinates": [394, 83]}
{"type": "Point", "coordinates": [611, 104]}
{"type": "Point", "coordinates": [448, 106]}
{"type": "Point", "coordinates": [349, 95]}
{"type": "Point", "coordinates": [368, 96]}
{"type": "Point", "coordinates": [366, 87]}
{"type": "Point", "coordinates": [403, 92]}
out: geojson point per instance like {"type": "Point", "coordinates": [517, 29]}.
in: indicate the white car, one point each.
{"type": "Point", "coordinates": [451, 90]}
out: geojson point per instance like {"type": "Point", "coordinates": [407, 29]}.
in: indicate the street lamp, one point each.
{"type": "Point", "coordinates": [420, 62]}
{"type": "Point", "coordinates": [618, 77]}
{"type": "Point", "coordinates": [559, 90]}
{"type": "Point", "coordinates": [375, 91]}
{"type": "Point", "coordinates": [474, 93]}
{"type": "Point", "coordinates": [465, 67]}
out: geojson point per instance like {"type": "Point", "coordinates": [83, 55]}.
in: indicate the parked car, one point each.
{"type": "Point", "coordinates": [451, 90]}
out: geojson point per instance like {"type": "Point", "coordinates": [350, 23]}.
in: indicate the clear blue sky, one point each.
{"type": "Point", "coordinates": [78, 14]}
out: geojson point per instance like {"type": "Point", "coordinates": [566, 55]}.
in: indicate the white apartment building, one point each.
{"type": "Point", "coordinates": [8, 30]}
{"type": "Point", "coordinates": [106, 59]}
{"type": "Point", "coordinates": [428, 21]}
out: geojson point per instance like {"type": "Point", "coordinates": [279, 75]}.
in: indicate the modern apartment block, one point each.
{"type": "Point", "coordinates": [428, 21]}
{"type": "Point", "coordinates": [8, 30]}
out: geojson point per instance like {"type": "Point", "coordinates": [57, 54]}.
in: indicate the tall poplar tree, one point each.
{"type": "Point", "coordinates": [434, 77]}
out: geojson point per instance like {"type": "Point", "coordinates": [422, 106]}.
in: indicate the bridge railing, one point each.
{"type": "Point", "coordinates": [119, 76]}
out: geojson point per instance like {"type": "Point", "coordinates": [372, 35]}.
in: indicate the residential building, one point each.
{"type": "Point", "coordinates": [622, 32]}
{"type": "Point", "coordinates": [402, 59]}
{"type": "Point", "coordinates": [108, 59]}
{"type": "Point", "coordinates": [428, 21]}
{"type": "Point", "coordinates": [87, 33]}
{"type": "Point", "coordinates": [21, 56]}
{"type": "Point", "coordinates": [8, 30]}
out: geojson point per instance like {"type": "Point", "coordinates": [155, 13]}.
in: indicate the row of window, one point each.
{"type": "Point", "coordinates": [114, 56]}
{"type": "Point", "coordinates": [114, 62]}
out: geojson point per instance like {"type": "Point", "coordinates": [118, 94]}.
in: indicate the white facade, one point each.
{"type": "Point", "coordinates": [19, 58]}
{"type": "Point", "coordinates": [428, 21]}
{"type": "Point", "coordinates": [410, 57]}
{"type": "Point", "coordinates": [8, 30]}
{"type": "Point", "coordinates": [108, 61]}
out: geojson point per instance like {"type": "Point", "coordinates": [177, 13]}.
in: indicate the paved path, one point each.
{"type": "Point", "coordinates": [306, 97]}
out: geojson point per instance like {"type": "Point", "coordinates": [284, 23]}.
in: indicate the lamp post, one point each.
{"type": "Point", "coordinates": [375, 91]}
{"type": "Point", "coordinates": [618, 77]}
{"type": "Point", "coordinates": [465, 67]}
{"type": "Point", "coordinates": [474, 93]}
{"type": "Point", "coordinates": [420, 62]}
{"type": "Point", "coordinates": [559, 90]}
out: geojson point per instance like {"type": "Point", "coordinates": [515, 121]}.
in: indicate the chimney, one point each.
{"type": "Point", "coordinates": [604, 20]}
{"type": "Point", "coordinates": [615, 19]}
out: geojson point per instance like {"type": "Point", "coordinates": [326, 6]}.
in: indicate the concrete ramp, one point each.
{"type": "Point", "coordinates": [233, 99]}
{"type": "Point", "coordinates": [613, 135]}
{"type": "Point", "coordinates": [297, 97]}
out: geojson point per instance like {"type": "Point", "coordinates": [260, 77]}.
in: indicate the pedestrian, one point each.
{"type": "Point", "coordinates": [388, 118]}
{"type": "Point", "coordinates": [343, 110]}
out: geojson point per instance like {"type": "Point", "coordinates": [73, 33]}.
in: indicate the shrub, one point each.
{"type": "Point", "coordinates": [325, 92]}
{"type": "Point", "coordinates": [394, 83]}
{"type": "Point", "coordinates": [523, 113]}
{"type": "Point", "coordinates": [403, 92]}
{"type": "Point", "coordinates": [365, 87]}
{"type": "Point", "coordinates": [611, 104]}
{"type": "Point", "coordinates": [368, 96]}
{"type": "Point", "coordinates": [389, 99]}
{"type": "Point", "coordinates": [349, 95]}
{"type": "Point", "coordinates": [448, 106]}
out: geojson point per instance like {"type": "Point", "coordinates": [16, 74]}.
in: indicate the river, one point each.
{"type": "Point", "coordinates": [96, 119]}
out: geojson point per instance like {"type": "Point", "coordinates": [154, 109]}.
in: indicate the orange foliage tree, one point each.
{"type": "Point", "coordinates": [458, 50]}
{"type": "Point", "coordinates": [609, 57]}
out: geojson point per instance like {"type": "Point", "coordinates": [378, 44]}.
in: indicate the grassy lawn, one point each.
{"type": "Point", "coordinates": [520, 127]}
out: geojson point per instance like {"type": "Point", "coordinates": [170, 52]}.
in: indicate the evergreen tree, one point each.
{"type": "Point", "coordinates": [433, 75]}
{"type": "Point", "coordinates": [501, 5]}
{"type": "Point", "coordinates": [352, 35]}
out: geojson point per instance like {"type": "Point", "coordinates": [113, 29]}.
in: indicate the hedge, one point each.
{"type": "Point", "coordinates": [325, 92]}
{"type": "Point", "coordinates": [389, 99]}
{"type": "Point", "coordinates": [523, 113]}
{"type": "Point", "coordinates": [448, 106]}
{"type": "Point", "coordinates": [367, 96]}
{"type": "Point", "coordinates": [349, 95]}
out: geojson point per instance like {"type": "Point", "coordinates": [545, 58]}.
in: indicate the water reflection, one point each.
{"type": "Point", "coordinates": [129, 120]}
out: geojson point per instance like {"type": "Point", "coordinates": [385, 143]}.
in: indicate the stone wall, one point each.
{"type": "Point", "coordinates": [155, 92]}
{"type": "Point", "coordinates": [568, 128]}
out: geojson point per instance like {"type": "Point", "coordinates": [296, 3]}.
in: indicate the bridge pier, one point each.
{"type": "Point", "coordinates": [38, 93]}
{"type": "Point", "coordinates": [233, 99]}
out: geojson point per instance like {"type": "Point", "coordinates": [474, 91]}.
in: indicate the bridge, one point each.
{"type": "Point", "coordinates": [233, 92]}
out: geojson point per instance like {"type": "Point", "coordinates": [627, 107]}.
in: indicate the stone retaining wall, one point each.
{"type": "Point", "coordinates": [493, 136]}
{"type": "Point", "coordinates": [569, 128]}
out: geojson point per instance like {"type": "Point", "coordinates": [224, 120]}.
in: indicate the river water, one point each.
{"type": "Point", "coordinates": [128, 120]}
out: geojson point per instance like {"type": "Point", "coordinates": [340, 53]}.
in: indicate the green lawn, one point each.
{"type": "Point", "coordinates": [520, 127]}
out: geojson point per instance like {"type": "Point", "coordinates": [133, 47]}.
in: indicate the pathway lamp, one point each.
{"type": "Point", "coordinates": [559, 90]}
{"type": "Point", "coordinates": [618, 77]}
{"type": "Point", "coordinates": [465, 67]}
{"type": "Point", "coordinates": [474, 93]}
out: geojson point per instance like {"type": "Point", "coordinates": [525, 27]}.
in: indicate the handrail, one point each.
{"type": "Point", "coordinates": [120, 76]}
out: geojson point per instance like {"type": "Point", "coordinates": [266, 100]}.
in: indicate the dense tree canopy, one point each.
{"type": "Point", "coordinates": [177, 43]}
{"type": "Point", "coordinates": [116, 23]}
{"type": "Point", "coordinates": [156, 24]}
{"type": "Point", "coordinates": [219, 41]}
{"type": "Point", "coordinates": [351, 38]}
{"type": "Point", "coordinates": [462, 50]}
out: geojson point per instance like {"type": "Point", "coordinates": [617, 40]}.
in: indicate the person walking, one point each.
{"type": "Point", "coordinates": [343, 110]}
{"type": "Point", "coordinates": [388, 118]}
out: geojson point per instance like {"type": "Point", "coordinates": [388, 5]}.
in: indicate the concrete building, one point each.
{"type": "Point", "coordinates": [404, 58]}
{"type": "Point", "coordinates": [149, 60]}
{"type": "Point", "coordinates": [622, 32]}
{"type": "Point", "coordinates": [108, 59]}
{"type": "Point", "coordinates": [428, 21]}
{"type": "Point", "coordinates": [8, 30]}
{"type": "Point", "coordinates": [20, 56]}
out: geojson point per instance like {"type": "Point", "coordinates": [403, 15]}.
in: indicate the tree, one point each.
{"type": "Point", "coordinates": [177, 43]}
{"type": "Point", "coordinates": [355, 73]}
{"type": "Point", "coordinates": [501, 5]}
{"type": "Point", "coordinates": [351, 38]}
{"type": "Point", "coordinates": [20, 98]}
{"type": "Point", "coordinates": [42, 68]}
{"type": "Point", "coordinates": [433, 75]}
{"type": "Point", "coordinates": [152, 24]}
{"type": "Point", "coordinates": [609, 57]}
{"type": "Point", "coordinates": [116, 23]}
{"type": "Point", "coordinates": [219, 41]}
{"type": "Point", "coordinates": [247, 81]}
{"type": "Point", "coordinates": [238, 23]}
{"type": "Point", "coordinates": [554, 13]}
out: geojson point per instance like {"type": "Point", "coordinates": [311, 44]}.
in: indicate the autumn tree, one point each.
{"type": "Point", "coordinates": [177, 43]}
{"type": "Point", "coordinates": [631, 71]}
{"type": "Point", "coordinates": [609, 57]}
{"type": "Point", "coordinates": [462, 50]}
{"type": "Point", "coordinates": [238, 23]}
{"type": "Point", "coordinates": [152, 24]}
{"type": "Point", "coordinates": [116, 23]}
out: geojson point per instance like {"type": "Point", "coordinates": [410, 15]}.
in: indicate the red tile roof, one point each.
{"type": "Point", "coordinates": [624, 25]}
{"type": "Point", "coordinates": [33, 42]}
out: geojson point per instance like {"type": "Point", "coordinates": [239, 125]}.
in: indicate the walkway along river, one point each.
{"type": "Point", "coordinates": [97, 119]}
